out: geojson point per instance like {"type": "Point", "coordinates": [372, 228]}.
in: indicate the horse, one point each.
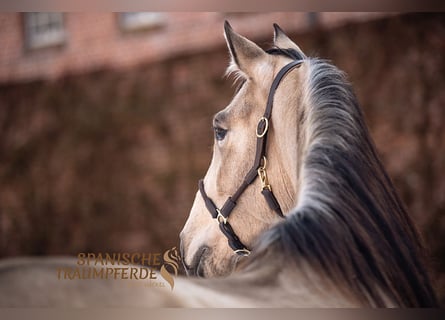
{"type": "Point", "coordinates": [295, 210]}
{"type": "Point", "coordinates": [343, 221]}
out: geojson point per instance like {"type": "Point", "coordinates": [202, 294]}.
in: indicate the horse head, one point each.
{"type": "Point", "coordinates": [236, 158]}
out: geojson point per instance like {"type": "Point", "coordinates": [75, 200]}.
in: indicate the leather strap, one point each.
{"type": "Point", "coordinates": [261, 144]}
{"type": "Point", "coordinates": [272, 201]}
{"type": "Point", "coordinates": [225, 227]}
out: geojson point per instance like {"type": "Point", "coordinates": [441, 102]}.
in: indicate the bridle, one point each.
{"type": "Point", "coordinates": [258, 169]}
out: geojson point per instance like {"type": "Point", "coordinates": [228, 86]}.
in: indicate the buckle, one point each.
{"type": "Point", "coordinates": [262, 173]}
{"type": "Point", "coordinates": [266, 127]}
{"type": "Point", "coordinates": [242, 252]}
{"type": "Point", "coordinates": [220, 218]}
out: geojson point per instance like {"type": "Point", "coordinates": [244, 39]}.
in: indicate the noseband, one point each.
{"type": "Point", "coordinates": [258, 169]}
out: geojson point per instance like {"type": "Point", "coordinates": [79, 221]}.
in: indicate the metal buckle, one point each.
{"type": "Point", "coordinates": [264, 165]}
{"type": "Point", "coordinates": [262, 173]}
{"type": "Point", "coordinates": [260, 135]}
{"type": "Point", "coordinates": [264, 181]}
{"type": "Point", "coordinates": [242, 252]}
{"type": "Point", "coordinates": [220, 218]}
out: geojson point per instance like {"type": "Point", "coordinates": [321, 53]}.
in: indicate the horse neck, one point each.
{"type": "Point", "coordinates": [348, 222]}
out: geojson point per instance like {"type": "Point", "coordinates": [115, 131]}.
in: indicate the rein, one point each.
{"type": "Point", "coordinates": [258, 170]}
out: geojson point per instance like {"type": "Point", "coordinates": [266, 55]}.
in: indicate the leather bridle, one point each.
{"type": "Point", "coordinates": [258, 169]}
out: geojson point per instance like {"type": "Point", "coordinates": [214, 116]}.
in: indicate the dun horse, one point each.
{"type": "Point", "coordinates": [295, 210]}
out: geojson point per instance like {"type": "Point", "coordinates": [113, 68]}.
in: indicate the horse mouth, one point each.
{"type": "Point", "coordinates": [196, 268]}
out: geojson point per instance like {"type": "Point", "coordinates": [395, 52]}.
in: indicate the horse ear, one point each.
{"type": "Point", "coordinates": [282, 41]}
{"type": "Point", "coordinates": [242, 51]}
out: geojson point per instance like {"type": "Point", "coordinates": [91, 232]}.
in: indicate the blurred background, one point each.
{"type": "Point", "coordinates": [105, 118]}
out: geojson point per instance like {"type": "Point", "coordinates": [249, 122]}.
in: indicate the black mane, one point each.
{"type": "Point", "coordinates": [349, 223]}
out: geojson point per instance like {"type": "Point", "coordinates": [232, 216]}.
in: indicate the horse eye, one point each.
{"type": "Point", "coordinates": [220, 133]}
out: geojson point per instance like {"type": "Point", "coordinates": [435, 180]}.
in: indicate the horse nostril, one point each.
{"type": "Point", "coordinates": [196, 267]}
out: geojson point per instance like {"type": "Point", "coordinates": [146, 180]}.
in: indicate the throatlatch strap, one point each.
{"type": "Point", "coordinates": [262, 133]}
